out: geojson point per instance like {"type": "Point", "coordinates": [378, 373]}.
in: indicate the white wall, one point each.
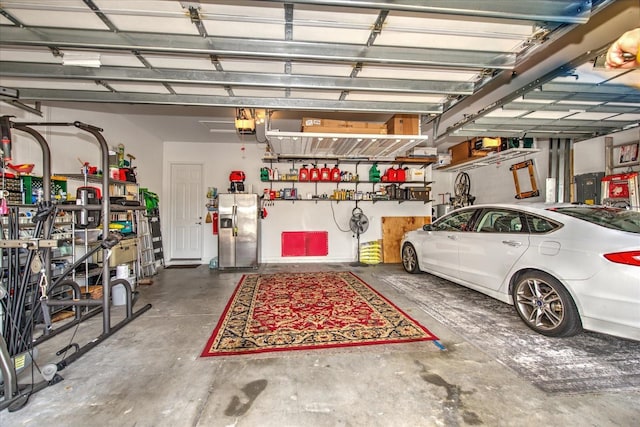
{"type": "Point", "coordinates": [221, 158]}
{"type": "Point", "coordinates": [494, 183]}
{"type": "Point", "coordinates": [589, 155]}
{"type": "Point", "coordinates": [68, 143]}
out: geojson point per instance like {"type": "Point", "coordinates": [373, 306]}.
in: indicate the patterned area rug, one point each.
{"type": "Point", "coordinates": [303, 311]}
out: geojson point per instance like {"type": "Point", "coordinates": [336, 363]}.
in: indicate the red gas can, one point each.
{"type": "Point", "coordinates": [314, 173]}
{"type": "Point", "coordinates": [303, 174]}
{"type": "Point", "coordinates": [402, 175]}
{"type": "Point", "coordinates": [392, 174]}
{"type": "Point", "coordinates": [325, 173]}
{"type": "Point", "coordinates": [335, 174]}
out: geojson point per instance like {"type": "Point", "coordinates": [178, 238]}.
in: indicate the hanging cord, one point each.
{"type": "Point", "coordinates": [333, 213]}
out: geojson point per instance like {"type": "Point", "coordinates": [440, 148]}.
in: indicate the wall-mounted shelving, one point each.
{"type": "Point", "coordinates": [349, 190]}
{"type": "Point", "coordinates": [493, 158]}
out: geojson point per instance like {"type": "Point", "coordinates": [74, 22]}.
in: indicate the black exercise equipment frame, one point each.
{"type": "Point", "coordinates": [14, 397]}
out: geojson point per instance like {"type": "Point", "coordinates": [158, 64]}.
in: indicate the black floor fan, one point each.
{"type": "Point", "coordinates": [359, 223]}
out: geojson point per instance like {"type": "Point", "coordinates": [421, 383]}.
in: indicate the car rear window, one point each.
{"type": "Point", "coordinates": [617, 219]}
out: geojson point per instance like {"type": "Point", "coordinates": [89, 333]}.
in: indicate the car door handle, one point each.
{"type": "Point", "coordinates": [513, 243]}
{"type": "Point", "coordinates": [452, 237]}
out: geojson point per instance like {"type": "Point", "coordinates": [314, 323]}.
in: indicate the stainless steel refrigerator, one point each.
{"type": "Point", "coordinates": [238, 230]}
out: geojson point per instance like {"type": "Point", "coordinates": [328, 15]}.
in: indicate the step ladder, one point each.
{"type": "Point", "coordinates": [146, 250]}
{"type": "Point", "coordinates": [156, 236]}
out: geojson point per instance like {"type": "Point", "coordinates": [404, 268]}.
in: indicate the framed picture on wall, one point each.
{"type": "Point", "coordinates": [628, 153]}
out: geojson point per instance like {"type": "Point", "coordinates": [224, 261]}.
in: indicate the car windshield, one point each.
{"type": "Point", "coordinates": [617, 219]}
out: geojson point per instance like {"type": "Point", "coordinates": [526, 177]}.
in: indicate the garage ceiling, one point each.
{"type": "Point", "coordinates": [491, 68]}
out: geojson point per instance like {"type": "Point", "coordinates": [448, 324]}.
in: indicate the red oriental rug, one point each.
{"type": "Point", "coordinates": [304, 311]}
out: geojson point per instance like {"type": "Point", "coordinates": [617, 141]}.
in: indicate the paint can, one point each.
{"type": "Point", "coordinates": [118, 295]}
{"type": "Point", "coordinates": [122, 271]}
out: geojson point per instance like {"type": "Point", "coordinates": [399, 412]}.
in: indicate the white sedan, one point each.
{"type": "Point", "coordinates": [564, 268]}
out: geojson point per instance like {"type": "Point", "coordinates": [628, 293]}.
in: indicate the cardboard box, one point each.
{"type": "Point", "coordinates": [403, 124]}
{"type": "Point", "coordinates": [316, 125]}
{"type": "Point", "coordinates": [325, 129]}
{"type": "Point", "coordinates": [460, 152]}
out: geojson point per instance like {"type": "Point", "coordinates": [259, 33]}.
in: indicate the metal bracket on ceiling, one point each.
{"type": "Point", "coordinates": [101, 15]}
{"type": "Point", "coordinates": [56, 52]}
{"type": "Point", "coordinates": [377, 27]}
{"type": "Point", "coordinates": [36, 109]}
{"type": "Point", "coordinates": [106, 85]}
{"type": "Point", "coordinates": [288, 21]}
{"type": "Point", "coordinates": [196, 19]}
{"type": "Point", "coordinates": [11, 18]}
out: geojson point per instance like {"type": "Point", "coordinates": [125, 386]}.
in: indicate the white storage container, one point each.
{"type": "Point", "coordinates": [415, 174]}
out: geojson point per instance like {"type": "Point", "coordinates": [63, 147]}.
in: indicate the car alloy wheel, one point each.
{"type": "Point", "coordinates": [545, 305]}
{"type": "Point", "coordinates": [409, 258]}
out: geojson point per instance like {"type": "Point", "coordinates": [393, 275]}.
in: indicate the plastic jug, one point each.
{"type": "Point", "coordinates": [325, 173]}
{"type": "Point", "coordinates": [314, 173]}
{"type": "Point", "coordinates": [303, 174]}
{"type": "Point", "coordinates": [392, 174]}
{"type": "Point", "coordinates": [335, 174]}
{"type": "Point", "coordinates": [374, 173]}
{"type": "Point", "coordinates": [402, 175]}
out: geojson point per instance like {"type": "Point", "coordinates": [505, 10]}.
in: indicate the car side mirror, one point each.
{"type": "Point", "coordinates": [427, 227]}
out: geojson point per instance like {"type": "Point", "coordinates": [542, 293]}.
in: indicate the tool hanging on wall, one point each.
{"type": "Point", "coordinates": [212, 207]}
{"type": "Point", "coordinates": [462, 191]}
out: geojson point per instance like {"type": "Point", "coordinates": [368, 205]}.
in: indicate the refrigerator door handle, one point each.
{"type": "Point", "coordinates": [234, 213]}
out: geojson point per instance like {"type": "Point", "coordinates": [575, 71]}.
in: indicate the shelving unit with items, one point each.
{"type": "Point", "coordinates": [400, 183]}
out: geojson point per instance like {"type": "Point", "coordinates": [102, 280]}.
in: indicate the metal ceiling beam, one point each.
{"type": "Point", "coordinates": [500, 123]}
{"type": "Point", "coordinates": [534, 106]}
{"type": "Point", "coordinates": [560, 54]}
{"type": "Point", "coordinates": [566, 11]}
{"type": "Point", "coordinates": [584, 96]}
{"type": "Point", "coordinates": [542, 133]}
{"type": "Point", "coordinates": [608, 88]}
{"type": "Point", "coordinates": [94, 40]}
{"type": "Point", "coordinates": [203, 77]}
{"type": "Point", "coordinates": [224, 101]}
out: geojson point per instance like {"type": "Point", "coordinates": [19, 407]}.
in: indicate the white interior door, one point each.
{"type": "Point", "coordinates": [186, 211]}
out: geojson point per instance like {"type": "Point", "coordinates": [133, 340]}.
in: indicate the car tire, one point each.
{"type": "Point", "coordinates": [545, 305]}
{"type": "Point", "coordinates": [410, 259]}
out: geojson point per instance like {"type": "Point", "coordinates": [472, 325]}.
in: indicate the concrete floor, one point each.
{"type": "Point", "coordinates": [150, 374]}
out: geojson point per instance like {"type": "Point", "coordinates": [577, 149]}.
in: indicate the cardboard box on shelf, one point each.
{"type": "Point", "coordinates": [403, 124]}
{"type": "Point", "coordinates": [353, 130]}
{"type": "Point", "coordinates": [341, 126]}
{"type": "Point", "coordinates": [460, 152]}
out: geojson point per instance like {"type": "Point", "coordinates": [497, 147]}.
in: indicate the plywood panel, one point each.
{"type": "Point", "coordinates": [393, 228]}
